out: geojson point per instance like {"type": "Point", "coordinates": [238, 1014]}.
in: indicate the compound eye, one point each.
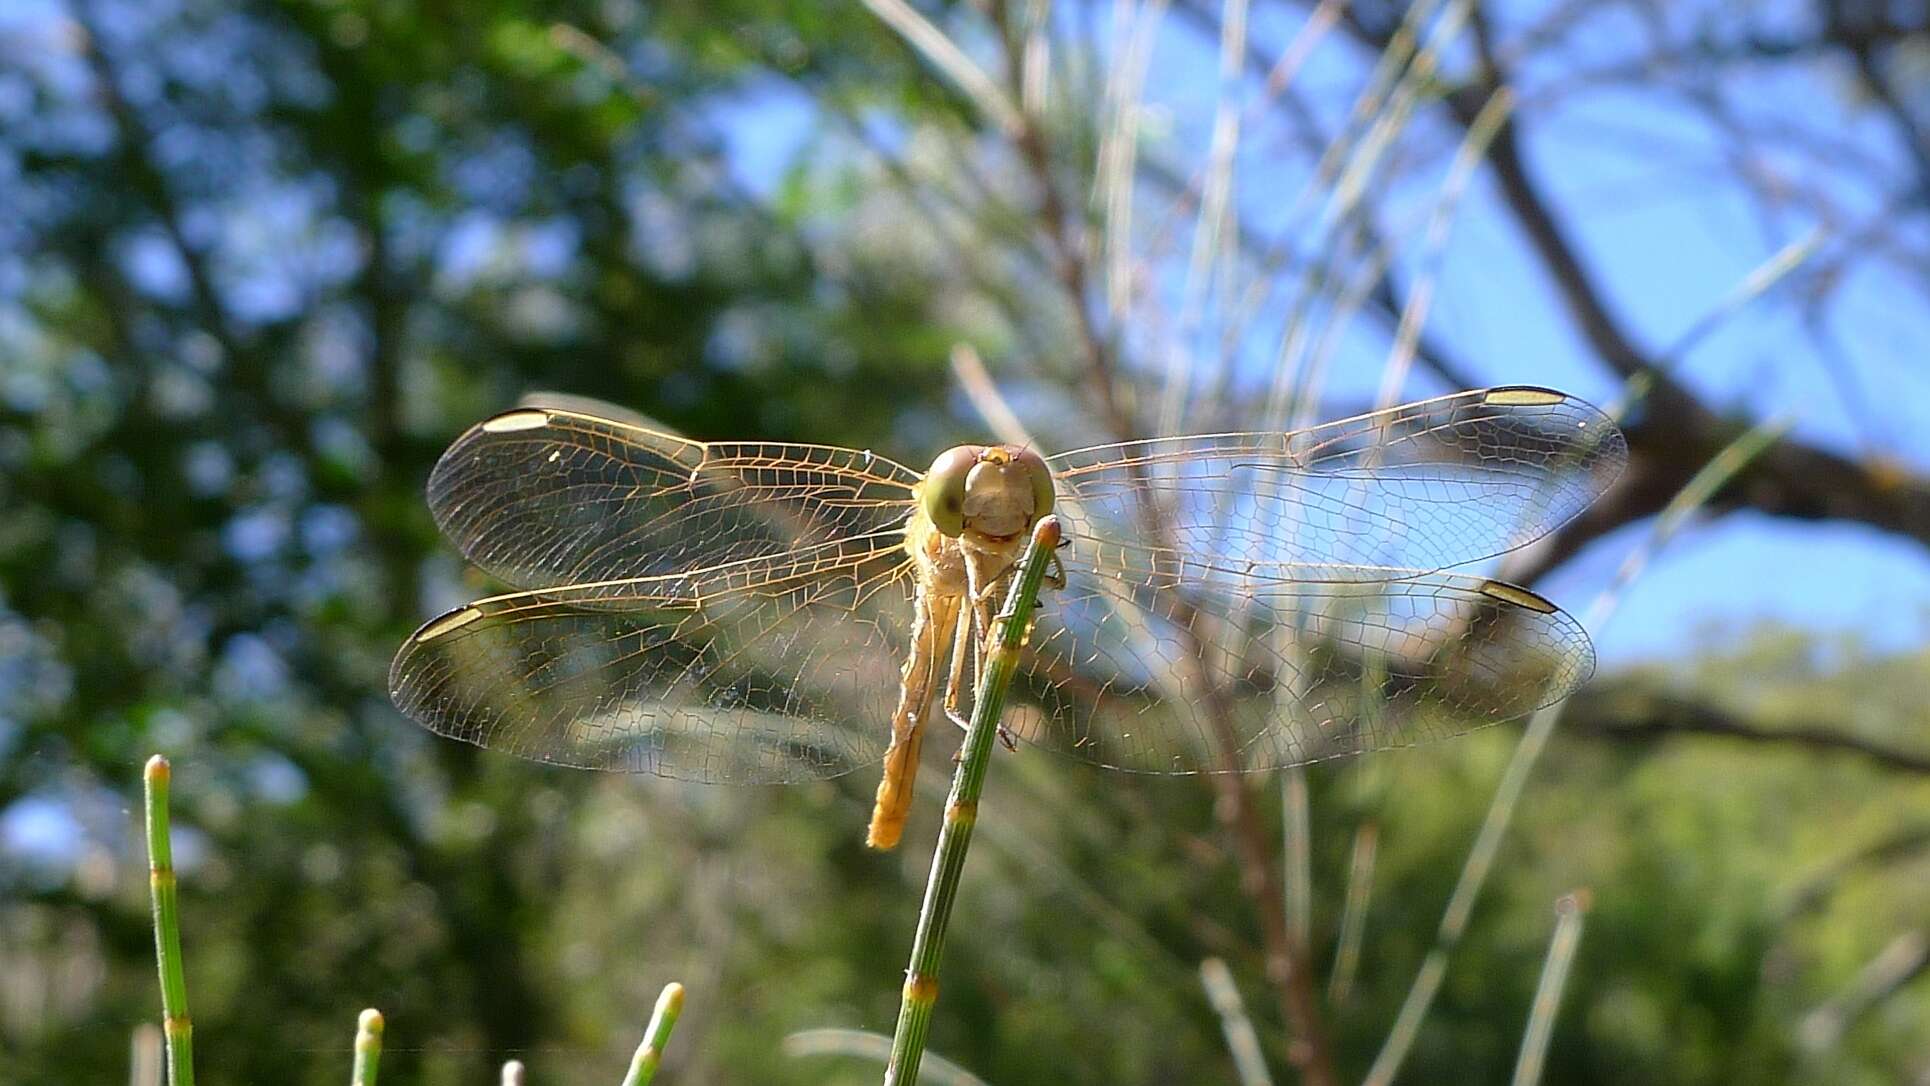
{"type": "Point", "coordinates": [943, 492]}
{"type": "Point", "coordinates": [1039, 476]}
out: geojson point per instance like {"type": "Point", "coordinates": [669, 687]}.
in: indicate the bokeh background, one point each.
{"type": "Point", "coordinates": [261, 260]}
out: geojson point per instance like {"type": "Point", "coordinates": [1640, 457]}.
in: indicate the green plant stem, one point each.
{"type": "Point", "coordinates": [961, 810]}
{"type": "Point", "coordinates": [643, 1065]}
{"type": "Point", "coordinates": [368, 1048]}
{"type": "Point", "coordinates": [176, 1026]}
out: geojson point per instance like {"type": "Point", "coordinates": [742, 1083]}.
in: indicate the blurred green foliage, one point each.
{"type": "Point", "coordinates": [266, 258]}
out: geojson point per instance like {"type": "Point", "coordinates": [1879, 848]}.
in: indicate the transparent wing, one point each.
{"type": "Point", "coordinates": [763, 671]}
{"type": "Point", "coordinates": [1414, 489]}
{"type": "Point", "coordinates": [543, 495]}
{"type": "Point", "coordinates": [1162, 666]}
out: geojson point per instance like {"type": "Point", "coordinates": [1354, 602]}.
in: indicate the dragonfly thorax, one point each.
{"type": "Point", "coordinates": [992, 492]}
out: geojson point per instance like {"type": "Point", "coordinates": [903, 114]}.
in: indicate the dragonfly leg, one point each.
{"type": "Point", "coordinates": [961, 653]}
{"type": "Point", "coordinates": [1007, 737]}
{"type": "Point", "coordinates": [980, 616]}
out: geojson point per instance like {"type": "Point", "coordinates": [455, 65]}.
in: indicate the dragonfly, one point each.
{"type": "Point", "coordinates": [756, 612]}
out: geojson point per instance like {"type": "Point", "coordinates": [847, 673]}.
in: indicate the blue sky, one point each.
{"type": "Point", "coordinates": [1643, 186]}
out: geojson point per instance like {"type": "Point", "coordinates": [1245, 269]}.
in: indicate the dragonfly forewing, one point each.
{"type": "Point", "coordinates": [543, 496]}
{"type": "Point", "coordinates": [1414, 489]}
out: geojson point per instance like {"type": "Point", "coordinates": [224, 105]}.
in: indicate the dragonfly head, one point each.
{"type": "Point", "coordinates": [997, 491]}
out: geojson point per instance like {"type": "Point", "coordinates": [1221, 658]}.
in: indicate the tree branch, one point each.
{"type": "Point", "coordinates": [1860, 30]}
{"type": "Point", "coordinates": [1671, 432]}
{"type": "Point", "coordinates": [1627, 712]}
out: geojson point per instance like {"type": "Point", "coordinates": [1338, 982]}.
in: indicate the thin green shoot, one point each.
{"type": "Point", "coordinates": [368, 1048]}
{"type": "Point", "coordinates": [176, 1026]}
{"type": "Point", "coordinates": [649, 1054]}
